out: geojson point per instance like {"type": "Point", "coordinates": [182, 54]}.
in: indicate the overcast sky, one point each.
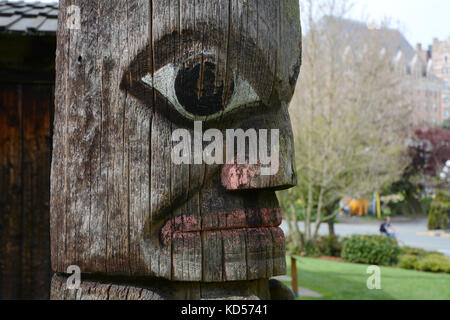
{"type": "Point", "coordinates": [419, 20]}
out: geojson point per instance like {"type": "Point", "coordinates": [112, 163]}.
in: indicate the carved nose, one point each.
{"type": "Point", "coordinates": [200, 91]}
{"type": "Point", "coordinates": [235, 177]}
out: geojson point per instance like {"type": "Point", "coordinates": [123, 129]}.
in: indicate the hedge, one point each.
{"type": "Point", "coordinates": [408, 261]}
{"type": "Point", "coordinates": [434, 263]}
{"type": "Point", "coordinates": [422, 260]}
{"type": "Point", "coordinates": [377, 250]}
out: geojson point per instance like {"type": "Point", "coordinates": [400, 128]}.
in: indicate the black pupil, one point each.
{"type": "Point", "coordinates": [198, 92]}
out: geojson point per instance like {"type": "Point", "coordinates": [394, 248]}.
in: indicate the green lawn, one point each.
{"type": "Point", "coordinates": [347, 281]}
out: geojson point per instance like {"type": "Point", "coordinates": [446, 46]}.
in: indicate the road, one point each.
{"type": "Point", "coordinates": [407, 232]}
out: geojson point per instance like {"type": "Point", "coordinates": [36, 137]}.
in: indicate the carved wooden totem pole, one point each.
{"type": "Point", "coordinates": [138, 224]}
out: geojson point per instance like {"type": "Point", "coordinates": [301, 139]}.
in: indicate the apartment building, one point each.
{"type": "Point", "coordinates": [438, 57]}
{"type": "Point", "coordinates": [422, 88]}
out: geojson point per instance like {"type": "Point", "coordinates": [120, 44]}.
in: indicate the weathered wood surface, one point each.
{"type": "Point", "coordinates": [151, 289]}
{"type": "Point", "coordinates": [119, 206]}
{"type": "Point", "coordinates": [25, 112]}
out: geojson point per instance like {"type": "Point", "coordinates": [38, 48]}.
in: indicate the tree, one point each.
{"type": "Point", "coordinates": [431, 149]}
{"type": "Point", "coordinates": [349, 117]}
{"type": "Point", "coordinates": [446, 124]}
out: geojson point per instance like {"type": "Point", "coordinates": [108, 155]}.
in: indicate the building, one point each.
{"type": "Point", "coordinates": [27, 76]}
{"type": "Point", "coordinates": [440, 55]}
{"type": "Point", "coordinates": [422, 89]}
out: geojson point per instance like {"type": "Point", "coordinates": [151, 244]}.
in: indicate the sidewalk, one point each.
{"type": "Point", "coordinates": [442, 234]}
{"type": "Point", "coordinates": [411, 231]}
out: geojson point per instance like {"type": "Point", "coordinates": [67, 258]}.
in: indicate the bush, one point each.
{"type": "Point", "coordinates": [417, 252]}
{"type": "Point", "coordinates": [438, 214]}
{"type": "Point", "coordinates": [324, 246]}
{"type": "Point", "coordinates": [434, 263]}
{"type": "Point", "coordinates": [413, 251]}
{"type": "Point", "coordinates": [408, 261]}
{"type": "Point", "coordinates": [422, 260]}
{"type": "Point", "coordinates": [410, 207]}
{"type": "Point", "coordinates": [387, 212]}
{"type": "Point", "coordinates": [437, 218]}
{"type": "Point", "coordinates": [310, 250]}
{"type": "Point", "coordinates": [378, 250]}
{"type": "Point", "coordinates": [426, 204]}
{"type": "Point", "coordinates": [329, 246]}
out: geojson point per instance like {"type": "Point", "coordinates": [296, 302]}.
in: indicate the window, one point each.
{"type": "Point", "coordinates": [447, 113]}
{"type": "Point", "coordinates": [446, 84]}
{"type": "Point", "coordinates": [446, 100]}
{"type": "Point", "coordinates": [446, 59]}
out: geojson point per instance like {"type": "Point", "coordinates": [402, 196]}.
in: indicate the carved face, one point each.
{"type": "Point", "coordinates": [228, 68]}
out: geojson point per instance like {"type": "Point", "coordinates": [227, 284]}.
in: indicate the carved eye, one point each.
{"type": "Point", "coordinates": [194, 91]}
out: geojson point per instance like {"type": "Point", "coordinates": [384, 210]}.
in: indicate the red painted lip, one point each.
{"type": "Point", "coordinates": [264, 218]}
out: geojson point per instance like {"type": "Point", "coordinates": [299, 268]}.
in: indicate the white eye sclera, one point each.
{"type": "Point", "coordinates": [163, 81]}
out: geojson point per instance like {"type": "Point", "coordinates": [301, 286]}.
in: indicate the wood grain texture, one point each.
{"type": "Point", "coordinates": [151, 289]}
{"type": "Point", "coordinates": [119, 206]}
{"type": "Point", "coordinates": [25, 113]}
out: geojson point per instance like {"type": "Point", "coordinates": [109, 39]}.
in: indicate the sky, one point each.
{"type": "Point", "coordinates": [419, 20]}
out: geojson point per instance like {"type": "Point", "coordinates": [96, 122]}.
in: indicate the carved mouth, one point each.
{"type": "Point", "coordinates": [265, 220]}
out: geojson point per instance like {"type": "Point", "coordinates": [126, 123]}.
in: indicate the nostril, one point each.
{"type": "Point", "coordinates": [247, 177]}
{"type": "Point", "coordinates": [236, 177]}
{"type": "Point", "coordinates": [199, 91]}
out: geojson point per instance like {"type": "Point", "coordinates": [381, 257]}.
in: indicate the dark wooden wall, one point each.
{"type": "Point", "coordinates": [25, 155]}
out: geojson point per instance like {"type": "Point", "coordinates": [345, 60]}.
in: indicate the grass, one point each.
{"type": "Point", "coordinates": [347, 281]}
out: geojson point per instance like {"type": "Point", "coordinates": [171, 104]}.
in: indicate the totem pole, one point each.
{"type": "Point", "coordinates": [139, 216]}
